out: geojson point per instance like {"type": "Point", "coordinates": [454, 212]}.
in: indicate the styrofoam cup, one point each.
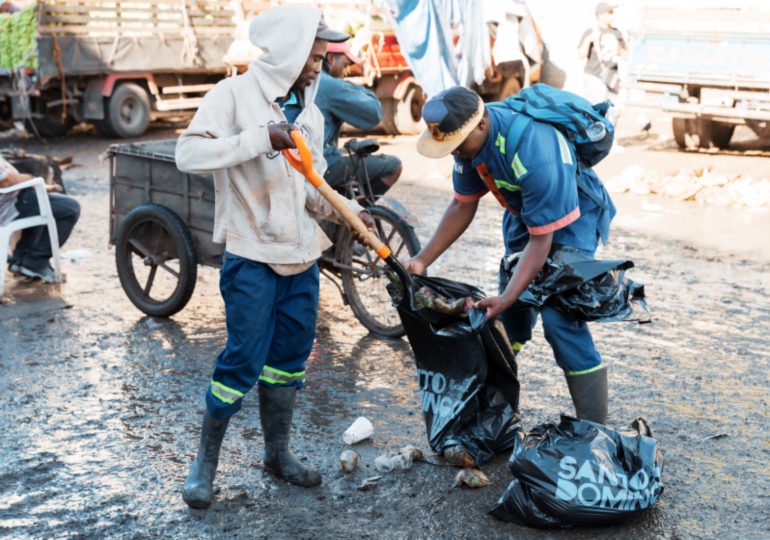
{"type": "Point", "coordinates": [359, 430]}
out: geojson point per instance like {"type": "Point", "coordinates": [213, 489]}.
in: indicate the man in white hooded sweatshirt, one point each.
{"type": "Point", "coordinates": [264, 213]}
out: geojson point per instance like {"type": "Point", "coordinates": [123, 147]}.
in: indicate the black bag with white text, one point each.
{"type": "Point", "coordinates": [466, 370]}
{"type": "Point", "coordinates": [581, 473]}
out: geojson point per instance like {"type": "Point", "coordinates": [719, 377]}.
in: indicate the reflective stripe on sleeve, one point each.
{"type": "Point", "coordinates": [502, 184]}
{"type": "Point", "coordinates": [500, 143]}
{"type": "Point", "coordinates": [518, 168]}
{"type": "Point", "coordinates": [566, 154]}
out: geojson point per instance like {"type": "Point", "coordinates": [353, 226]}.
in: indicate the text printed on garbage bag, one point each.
{"type": "Point", "coordinates": [433, 390]}
{"type": "Point", "coordinates": [592, 484]}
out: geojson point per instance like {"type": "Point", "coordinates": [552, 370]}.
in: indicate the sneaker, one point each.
{"type": "Point", "coordinates": [14, 269]}
{"type": "Point", "coordinates": [46, 274]}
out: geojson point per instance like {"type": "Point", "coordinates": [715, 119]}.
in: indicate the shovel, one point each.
{"type": "Point", "coordinates": [304, 164]}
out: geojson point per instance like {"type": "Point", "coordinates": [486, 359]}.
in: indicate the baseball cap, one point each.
{"type": "Point", "coordinates": [326, 33]}
{"type": "Point", "coordinates": [450, 115]}
{"type": "Point", "coordinates": [343, 48]}
{"type": "Point", "coordinates": [603, 7]}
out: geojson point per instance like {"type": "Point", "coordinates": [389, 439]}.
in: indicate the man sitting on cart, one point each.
{"type": "Point", "coordinates": [342, 101]}
{"type": "Point", "coordinates": [264, 214]}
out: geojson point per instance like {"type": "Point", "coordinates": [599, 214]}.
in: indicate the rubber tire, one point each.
{"type": "Point", "coordinates": [404, 117]}
{"type": "Point", "coordinates": [131, 95]}
{"type": "Point", "coordinates": [183, 244]}
{"type": "Point", "coordinates": [50, 125]}
{"type": "Point", "coordinates": [509, 87]}
{"type": "Point", "coordinates": [682, 128]}
{"type": "Point", "coordinates": [694, 133]}
{"type": "Point", "coordinates": [412, 244]}
{"type": "Point", "coordinates": [715, 134]}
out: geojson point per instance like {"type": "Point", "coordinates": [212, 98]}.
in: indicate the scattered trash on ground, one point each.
{"type": "Point", "coordinates": [74, 255]}
{"type": "Point", "coordinates": [385, 463]}
{"type": "Point", "coordinates": [457, 456]}
{"type": "Point", "coordinates": [412, 451]}
{"type": "Point", "coordinates": [370, 483]}
{"type": "Point", "coordinates": [349, 460]}
{"type": "Point", "coordinates": [581, 473]}
{"type": "Point", "coordinates": [473, 478]}
{"type": "Point", "coordinates": [701, 185]}
{"type": "Point", "coordinates": [361, 429]}
{"type": "Point", "coordinates": [715, 437]}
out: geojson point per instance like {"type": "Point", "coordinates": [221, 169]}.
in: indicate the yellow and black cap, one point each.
{"type": "Point", "coordinates": [450, 115]}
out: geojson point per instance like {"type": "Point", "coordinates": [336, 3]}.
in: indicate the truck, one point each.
{"type": "Point", "coordinates": [116, 65]}
{"type": "Point", "coordinates": [707, 63]}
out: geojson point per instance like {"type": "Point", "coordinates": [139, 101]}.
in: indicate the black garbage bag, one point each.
{"type": "Point", "coordinates": [582, 287]}
{"type": "Point", "coordinates": [581, 473]}
{"type": "Point", "coordinates": [466, 369]}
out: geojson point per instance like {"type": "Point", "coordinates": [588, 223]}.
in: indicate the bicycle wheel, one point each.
{"type": "Point", "coordinates": [363, 273]}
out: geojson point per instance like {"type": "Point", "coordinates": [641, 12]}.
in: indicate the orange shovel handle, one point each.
{"type": "Point", "coordinates": [304, 164]}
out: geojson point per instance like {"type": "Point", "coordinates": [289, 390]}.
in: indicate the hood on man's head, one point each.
{"type": "Point", "coordinates": [285, 34]}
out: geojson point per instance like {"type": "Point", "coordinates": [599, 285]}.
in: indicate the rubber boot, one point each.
{"type": "Point", "coordinates": [589, 395]}
{"type": "Point", "coordinates": [199, 486]}
{"type": "Point", "coordinates": [276, 406]}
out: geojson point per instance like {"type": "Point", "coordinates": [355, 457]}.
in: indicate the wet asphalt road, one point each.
{"type": "Point", "coordinates": [102, 405]}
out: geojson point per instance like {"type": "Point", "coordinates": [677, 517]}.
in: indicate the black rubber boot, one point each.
{"type": "Point", "coordinates": [199, 486]}
{"type": "Point", "coordinates": [276, 405]}
{"type": "Point", "coordinates": [589, 394]}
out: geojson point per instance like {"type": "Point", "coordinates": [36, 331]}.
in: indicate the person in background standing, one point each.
{"type": "Point", "coordinates": [602, 46]}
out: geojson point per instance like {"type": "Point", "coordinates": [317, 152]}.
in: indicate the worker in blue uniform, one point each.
{"type": "Point", "coordinates": [341, 101]}
{"type": "Point", "coordinates": [553, 207]}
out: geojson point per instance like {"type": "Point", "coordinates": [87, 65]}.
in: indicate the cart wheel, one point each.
{"type": "Point", "coordinates": [365, 282]}
{"type": "Point", "coordinates": [156, 260]}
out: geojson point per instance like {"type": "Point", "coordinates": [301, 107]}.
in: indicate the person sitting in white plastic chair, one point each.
{"type": "Point", "coordinates": [31, 257]}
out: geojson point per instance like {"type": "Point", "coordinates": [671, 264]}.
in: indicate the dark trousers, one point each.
{"type": "Point", "coordinates": [34, 248]}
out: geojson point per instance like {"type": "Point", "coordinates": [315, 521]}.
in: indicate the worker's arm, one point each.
{"type": "Point", "coordinates": [456, 219]}
{"type": "Point", "coordinates": [588, 39]}
{"type": "Point", "coordinates": [532, 259]}
{"type": "Point", "coordinates": [210, 144]}
{"type": "Point", "coordinates": [356, 105]}
{"type": "Point", "coordinates": [13, 177]}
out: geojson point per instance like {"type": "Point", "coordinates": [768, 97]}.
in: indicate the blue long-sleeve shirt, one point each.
{"type": "Point", "coordinates": [342, 101]}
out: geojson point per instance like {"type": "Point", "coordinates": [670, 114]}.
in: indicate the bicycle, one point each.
{"type": "Point", "coordinates": [357, 272]}
{"type": "Point", "coordinates": [161, 223]}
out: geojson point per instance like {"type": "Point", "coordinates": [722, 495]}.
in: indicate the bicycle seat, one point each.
{"type": "Point", "coordinates": [362, 148]}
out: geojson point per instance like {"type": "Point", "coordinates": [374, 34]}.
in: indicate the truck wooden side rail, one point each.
{"type": "Point", "coordinates": [117, 65]}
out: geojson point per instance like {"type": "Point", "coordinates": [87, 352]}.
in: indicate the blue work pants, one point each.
{"type": "Point", "coordinates": [271, 323]}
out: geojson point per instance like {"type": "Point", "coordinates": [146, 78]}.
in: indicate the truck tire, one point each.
{"type": "Point", "coordinates": [128, 111]}
{"type": "Point", "coordinates": [715, 134]}
{"type": "Point", "coordinates": [48, 121]}
{"type": "Point", "coordinates": [694, 133]}
{"type": "Point", "coordinates": [404, 117]}
{"type": "Point", "coordinates": [685, 133]}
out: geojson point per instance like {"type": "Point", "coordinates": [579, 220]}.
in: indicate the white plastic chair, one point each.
{"type": "Point", "coordinates": [44, 218]}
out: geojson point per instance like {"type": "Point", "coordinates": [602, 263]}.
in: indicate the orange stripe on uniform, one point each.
{"type": "Point", "coordinates": [486, 176]}
{"type": "Point", "coordinates": [556, 225]}
{"type": "Point", "coordinates": [470, 198]}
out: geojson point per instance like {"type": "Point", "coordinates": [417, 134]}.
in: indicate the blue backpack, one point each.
{"type": "Point", "coordinates": [583, 124]}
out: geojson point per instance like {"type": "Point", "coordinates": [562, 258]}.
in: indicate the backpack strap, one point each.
{"type": "Point", "coordinates": [582, 186]}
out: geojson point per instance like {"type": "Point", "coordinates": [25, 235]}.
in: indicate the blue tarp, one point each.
{"type": "Point", "coordinates": [424, 35]}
